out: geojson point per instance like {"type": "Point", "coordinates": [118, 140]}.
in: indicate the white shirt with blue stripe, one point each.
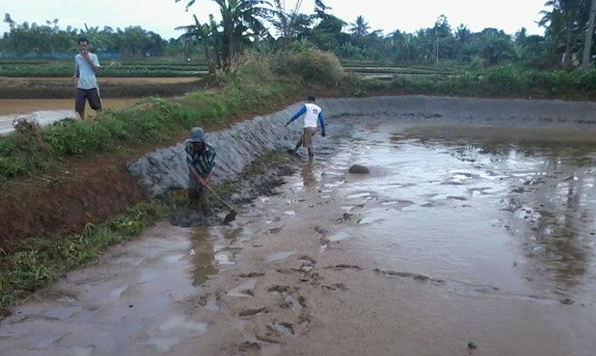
{"type": "Point", "coordinates": [312, 113]}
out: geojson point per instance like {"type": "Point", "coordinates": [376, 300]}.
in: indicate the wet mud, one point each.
{"type": "Point", "coordinates": [462, 239]}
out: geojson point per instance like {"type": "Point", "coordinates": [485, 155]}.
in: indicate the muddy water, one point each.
{"type": "Point", "coordinates": [458, 236]}
{"type": "Point", "coordinates": [47, 111]}
{"type": "Point", "coordinates": [516, 215]}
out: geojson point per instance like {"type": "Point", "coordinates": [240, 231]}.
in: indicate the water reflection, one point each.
{"type": "Point", "coordinates": [202, 256]}
{"type": "Point", "coordinates": [550, 207]}
{"type": "Point", "coordinates": [306, 173]}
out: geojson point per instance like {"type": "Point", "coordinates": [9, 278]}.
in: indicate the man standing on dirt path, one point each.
{"type": "Point", "coordinates": [200, 158]}
{"type": "Point", "coordinates": [312, 113]}
{"type": "Point", "coordinates": [86, 67]}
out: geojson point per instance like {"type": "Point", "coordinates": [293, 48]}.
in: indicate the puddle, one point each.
{"type": "Point", "coordinates": [46, 111]}
{"type": "Point", "coordinates": [359, 195]}
{"type": "Point", "coordinates": [83, 350]}
{"type": "Point", "coordinates": [527, 202]}
{"type": "Point", "coordinates": [280, 256]}
{"type": "Point", "coordinates": [226, 257]}
{"type": "Point", "coordinates": [244, 289]}
{"type": "Point", "coordinates": [338, 236]}
{"type": "Point", "coordinates": [164, 344]}
{"type": "Point", "coordinates": [203, 256]}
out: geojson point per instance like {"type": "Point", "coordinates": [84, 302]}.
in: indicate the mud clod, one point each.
{"type": "Point", "coordinates": [359, 169]}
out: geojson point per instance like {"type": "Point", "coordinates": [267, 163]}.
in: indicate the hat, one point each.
{"type": "Point", "coordinates": [197, 135]}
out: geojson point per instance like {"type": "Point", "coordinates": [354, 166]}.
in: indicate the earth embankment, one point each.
{"type": "Point", "coordinates": [103, 188]}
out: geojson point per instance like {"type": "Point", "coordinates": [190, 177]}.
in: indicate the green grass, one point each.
{"type": "Point", "coordinates": [259, 84]}
{"type": "Point", "coordinates": [35, 262]}
{"type": "Point", "coordinates": [109, 68]}
{"type": "Point", "coordinates": [500, 81]}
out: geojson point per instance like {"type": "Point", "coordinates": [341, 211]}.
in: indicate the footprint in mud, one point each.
{"type": "Point", "coordinates": [251, 275]}
{"type": "Point", "coordinates": [209, 301]}
{"type": "Point", "coordinates": [275, 230]}
{"type": "Point", "coordinates": [289, 297]}
{"type": "Point", "coordinates": [249, 346]}
{"type": "Point", "coordinates": [320, 230]}
{"type": "Point", "coordinates": [340, 267]}
{"type": "Point", "coordinates": [252, 312]}
{"type": "Point", "coordinates": [307, 260]}
{"type": "Point", "coordinates": [345, 217]}
{"type": "Point", "coordinates": [415, 276]}
{"type": "Point", "coordinates": [312, 277]}
{"type": "Point", "coordinates": [307, 269]}
{"type": "Point", "coordinates": [282, 328]}
{"type": "Point", "coordinates": [304, 321]}
{"type": "Point", "coordinates": [281, 289]}
{"type": "Point", "coordinates": [245, 289]}
{"type": "Point", "coordinates": [269, 336]}
{"type": "Point", "coordinates": [456, 198]}
{"type": "Point", "coordinates": [336, 286]}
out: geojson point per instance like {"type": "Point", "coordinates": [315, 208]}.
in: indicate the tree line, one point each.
{"type": "Point", "coordinates": [267, 26]}
{"type": "Point", "coordinates": [41, 39]}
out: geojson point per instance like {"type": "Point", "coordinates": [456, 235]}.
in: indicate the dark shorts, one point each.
{"type": "Point", "coordinates": [90, 95]}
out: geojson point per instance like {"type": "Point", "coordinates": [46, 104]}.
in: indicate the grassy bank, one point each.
{"type": "Point", "coordinates": [507, 81]}
{"type": "Point", "coordinates": [34, 263]}
{"type": "Point", "coordinates": [114, 68]}
{"type": "Point", "coordinates": [259, 85]}
{"type": "Point", "coordinates": [64, 89]}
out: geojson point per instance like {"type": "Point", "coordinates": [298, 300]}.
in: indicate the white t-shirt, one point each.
{"type": "Point", "coordinates": [311, 117]}
{"type": "Point", "coordinates": [87, 79]}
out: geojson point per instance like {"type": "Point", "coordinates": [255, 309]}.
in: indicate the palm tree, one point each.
{"type": "Point", "coordinates": [360, 27]}
{"type": "Point", "coordinates": [589, 34]}
{"type": "Point", "coordinates": [285, 22]}
{"type": "Point", "coordinates": [564, 22]}
{"type": "Point", "coordinates": [239, 20]}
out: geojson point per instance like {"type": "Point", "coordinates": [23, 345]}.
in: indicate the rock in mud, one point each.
{"type": "Point", "coordinates": [358, 169]}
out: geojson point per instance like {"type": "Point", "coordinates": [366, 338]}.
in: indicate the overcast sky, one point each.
{"type": "Point", "coordinates": [162, 16]}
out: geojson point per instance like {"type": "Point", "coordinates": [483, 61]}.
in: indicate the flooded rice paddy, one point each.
{"type": "Point", "coordinates": [460, 241]}
{"type": "Point", "coordinates": [47, 111]}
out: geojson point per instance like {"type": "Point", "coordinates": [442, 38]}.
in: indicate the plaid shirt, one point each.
{"type": "Point", "coordinates": [203, 163]}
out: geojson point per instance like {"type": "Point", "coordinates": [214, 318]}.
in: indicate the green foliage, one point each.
{"type": "Point", "coordinates": [24, 153]}
{"type": "Point", "coordinates": [77, 137]}
{"type": "Point", "coordinates": [500, 81]}
{"type": "Point", "coordinates": [259, 82]}
{"type": "Point", "coordinates": [64, 68]}
{"type": "Point", "coordinates": [37, 261]}
{"type": "Point", "coordinates": [29, 270]}
{"type": "Point", "coordinates": [313, 67]}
